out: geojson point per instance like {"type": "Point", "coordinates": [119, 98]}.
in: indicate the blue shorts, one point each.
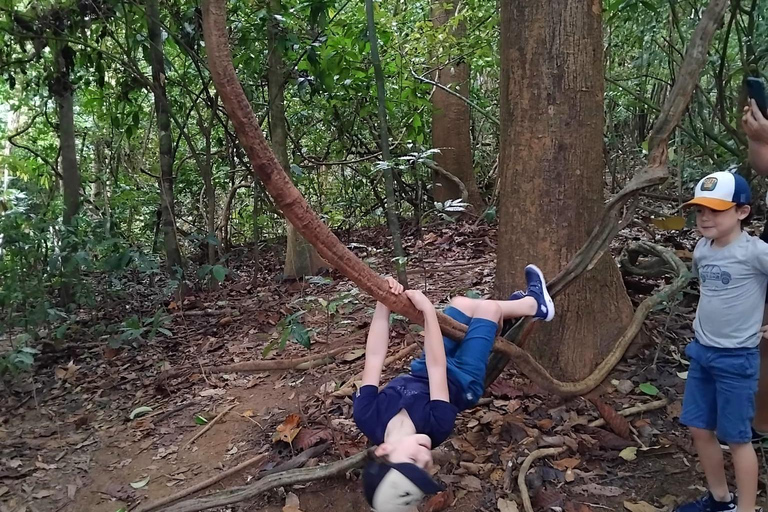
{"type": "Point", "coordinates": [466, 360]}
{"type": "Point", "coordinates": [720, 390]}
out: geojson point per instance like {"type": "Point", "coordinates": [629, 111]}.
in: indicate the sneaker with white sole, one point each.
{"type": "Point", "coordinates": [708, 503]}
{"type": "Point", "coordinates": [537, 288]}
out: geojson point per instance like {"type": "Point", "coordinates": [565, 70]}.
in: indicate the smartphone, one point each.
{"type": "Point", "coordinates": [756, 91]}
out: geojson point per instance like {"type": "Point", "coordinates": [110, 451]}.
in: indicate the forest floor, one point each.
{"type": "Point", "coordinates": [67, 443]}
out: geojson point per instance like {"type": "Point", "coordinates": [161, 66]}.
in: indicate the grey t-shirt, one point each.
{"type": "Point", "coordinates": [733, 281]}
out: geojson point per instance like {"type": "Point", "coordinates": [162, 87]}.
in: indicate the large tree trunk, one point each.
{"type": "Point", "coordinates": [451, 121]}
{"type": "Point", "coordinates": [173, 261]}
{"type": "Point", "coordinates": [551, 167]}
{"type": "Point", "coordinates": [301, 258]}
{"type": "Point", "coordinates": [70, 174]}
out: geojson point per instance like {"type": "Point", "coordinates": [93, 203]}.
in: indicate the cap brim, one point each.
{"type": "Point", "coordinates": [396, 487]}
{"type": "Point", "coordinates": [712, 203]}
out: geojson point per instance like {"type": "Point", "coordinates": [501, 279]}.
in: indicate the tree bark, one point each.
{"type": "Point", "coordinates": [173, 261]}
{"type": "Point", "coordinates": [301, 258]}
{"type": "Point", "coordinates": [392, 221]}
{"type": "Point", "coordinates": [451, 121]}
{"type": "Point", "coordinates": [551, 168]}
{"type": "Point", "coordinates": [62, 90]}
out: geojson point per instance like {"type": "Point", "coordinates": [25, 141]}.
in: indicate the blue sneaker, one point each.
{"type": "Point", "coordinates": [708, 503]}
{"type": "Point", "coordinates": [517, 295]}
{"type": "Point", "coordinates": [537, 288]}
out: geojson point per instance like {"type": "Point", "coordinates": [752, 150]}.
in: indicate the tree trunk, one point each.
{"type": "Point", "coordinates": [70, 174]}
{"type": "Point", "coordinates": [392, 221]}
{"type": "Point", "coordinates": [551, 168]}
{"type": "Point", "coordinates": [206, 169]}
{"type": "Point", "coordinates": [301, 258]}
{"type": "Point", "coordinates": [451, 122]}
{"type": "Point", "coordinates": [173, 261]}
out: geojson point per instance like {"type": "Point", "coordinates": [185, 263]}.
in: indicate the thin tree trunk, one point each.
{"type": "Point", "coordinates": [551, 167]}
{"type": "Point", "coordinates": [210, 192]}
{"type": "Point", "coordinates": [173, 260]}
{"type": "Point", "coordinates": [392, 221]}
{"type": "Point", "coordinates": [62, 90]}
{"type": "Point", "coordinates": [301, 258]}
{"type": "Point", "coordinates": [451, 121]}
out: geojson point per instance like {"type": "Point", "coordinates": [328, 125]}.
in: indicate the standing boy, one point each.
{"type": "Point", "coordinates": [732, 268]}
{"type": "Point", "coordinates": [416, 412]}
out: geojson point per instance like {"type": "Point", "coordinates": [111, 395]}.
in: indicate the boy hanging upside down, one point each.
{"type": "Point", "coordinates": [416, 412]}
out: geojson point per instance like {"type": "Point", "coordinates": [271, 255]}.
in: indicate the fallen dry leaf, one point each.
{"type": "Point", "coordinates": [354, 354]}
{"type": "Point", "coordinates": [471, 483]}
{"type": "Point", "coordinates": [568, 463]}
{"type": "Point", "coordinates": [643, 506]}
{"type": "Point", "coordinates": [42, 494]}
{"type": "Point", "coordinates": [506, 505]}
{"type": "Point", "coordinates": [291, 503]}
{"type": "Point", "coordinates": [68, 372]}
{"type": "Point", "coordinates": [629, 453]}
{"type": "Point", "coordinates": [439, 502]}
{"type": "Point", "coordinates": [212, 392]}
{"type": "Point", "coordinates": [288, 429]}
{"type": "Point", "coordinates": [249, 414]}
{"type": "Point", "coordinates": [307, 438]}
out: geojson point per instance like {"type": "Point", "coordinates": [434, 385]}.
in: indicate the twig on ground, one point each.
{"type": "Point", "coordinates": [204, 484]}
{"type": "Point", "coordinates": [544, 452]}
{"type": "Point", "coordinates": [297, 461]}
{"type": "Point", "coordinates": [650, 406]}
{"type": "Point", "coordinates": [163, 414]}
{"type": "Point", "coordinates": [292, 477]}
{"type": "Point", "coordinates": [348, 388]}
{"type": "Point", "coordinates": [208, 426]}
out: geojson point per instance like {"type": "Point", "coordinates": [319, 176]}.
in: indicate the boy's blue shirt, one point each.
{"type": "Point", "coordinates": [373, 409]}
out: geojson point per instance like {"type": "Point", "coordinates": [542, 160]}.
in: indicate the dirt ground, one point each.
{"type": "Point", "coordinates": [67, 443]}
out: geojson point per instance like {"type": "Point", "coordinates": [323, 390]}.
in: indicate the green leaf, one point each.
{"type": "Point", "coordinates": [164, 331]}
{"type": "Point", "coordinates": [199, 420]}
{"type": "Point", "coordinates": [301, 335]}
{"type": "Point", "coordinates": [219, 273]}
{"type": "Point", "coordinates": [473, 294]}
{"type": "Point", "coordinates": [648, 389]}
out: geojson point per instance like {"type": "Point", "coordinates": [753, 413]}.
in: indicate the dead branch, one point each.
{"type": "Point", "coordinates": [204, 484]}
{"type": "Point", "coordinates": [348, 388]}
{"type": "Point", "coordinates": [292, 477]}
{"type": "Point", "coordinates": [297, 461]}
{"type": "Point", "coordinates": [208, 426]}
{"type": "Point", "coordinates": [650, 406]}
{"type": "Point", "coordinates": [544, 452]}
{"type": "Point", "coordinates": [256, 366]}
{"type": "Point", "coordinates": [456, 181]}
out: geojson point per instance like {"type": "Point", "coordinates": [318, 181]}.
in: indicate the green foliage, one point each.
{"type": "Point", "coordinates": [289, 328]}
{"type": "Point", "coordinates": [134, 330]}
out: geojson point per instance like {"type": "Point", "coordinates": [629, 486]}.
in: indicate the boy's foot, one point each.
{"type": "Point", "coordinates": [758, 438]}
{"type": "Point", "coordinates": [537, 288]}
{"type": "Point", "coordinates": [708, 503]}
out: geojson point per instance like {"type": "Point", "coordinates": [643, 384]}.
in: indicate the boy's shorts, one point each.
{"type": "Point", "coordinates": [467, 360]}
{"type": "Point", "coordinates": [720, 391]}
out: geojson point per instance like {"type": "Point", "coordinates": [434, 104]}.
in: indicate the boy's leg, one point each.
{"type": "Point", "coordinates": [745, 467]}
{"type": "Point", "coordinates": [700, 414]}
{"type": "Point", "coordinates": [471, 359]}
{"type": "Point", "coordinates": [711, 459]}
{"type": "Point", "coordinates": [735, 374]}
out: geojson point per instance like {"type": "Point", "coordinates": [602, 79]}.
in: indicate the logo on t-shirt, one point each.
{"type": "Point", "coordinates": [714, 273]}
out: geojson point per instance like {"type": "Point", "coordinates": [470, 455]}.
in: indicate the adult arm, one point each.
{"type": "Point", "coordinates": [756, 127]}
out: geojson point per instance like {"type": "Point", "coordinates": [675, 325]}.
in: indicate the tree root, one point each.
{"type": "Point", "coordinates": [650, 406]}
{"type": "Point", "coordinates": [544, 452]}
{"type": "Point", "coordinates": [291, 477]}
{"type": "Point", "coordinates": [618, 210]}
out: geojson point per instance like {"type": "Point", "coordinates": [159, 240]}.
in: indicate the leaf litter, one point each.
{"type": "Point", "coordinates": [91, 394]}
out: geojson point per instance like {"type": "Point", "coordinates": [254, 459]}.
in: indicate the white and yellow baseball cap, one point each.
{"type": "Point", "coordinates": [721, 191]}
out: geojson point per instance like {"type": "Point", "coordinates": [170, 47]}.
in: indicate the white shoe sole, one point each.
{"type": "Point", "coordinates": [547, 299]}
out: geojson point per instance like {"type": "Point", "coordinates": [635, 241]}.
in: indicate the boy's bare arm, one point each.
{"type": "Point", "coordinates": [433, 347]}
{"type": "Point", "coordinates": [378, 339]}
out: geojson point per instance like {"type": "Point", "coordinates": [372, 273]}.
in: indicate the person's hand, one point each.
{"type": "Point", "coordinates": [394, 286]}
{"type": "Point", "coordinates": [764, 331]}
{"type": "Point", "coordinates": [419, 300]}
{"type": "Point", "coordinates": [755, 124]}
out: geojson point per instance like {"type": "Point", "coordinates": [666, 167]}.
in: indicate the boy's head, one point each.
{"type": "Point", "coordinates": [396, 486]}
{"type": "Point", "coordinates": [722, 204]}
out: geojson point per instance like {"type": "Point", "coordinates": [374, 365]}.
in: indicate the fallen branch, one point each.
{"type": "Point", "coordinates": [204, 484]}
{"type": "Point", "coordinates": [544, 452]}
{"type": "Point", "coordinates": [208, 426]}
{"type": "Point", "coordinates": [297, 461]}
{"type": "Point", "coordinates": [257, 366]}
{"type": "Point", "coordinates": [348, 388]}
{"type": "Point", "coordinates": [650, 406]}
{"type": "Point", "coordinates": [292, 477]}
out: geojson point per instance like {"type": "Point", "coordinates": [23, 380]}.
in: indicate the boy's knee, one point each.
{"type": "Point", "coordinates": [490, 310]}
{"type": "Point", "coordinates": [701, 434]}
{"type": "Point", "coordinates": [464, 304]}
